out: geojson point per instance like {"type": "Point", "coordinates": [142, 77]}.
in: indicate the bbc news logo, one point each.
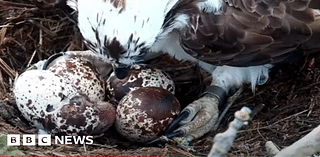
{"type": "Point", "coordinates": [45, 140]}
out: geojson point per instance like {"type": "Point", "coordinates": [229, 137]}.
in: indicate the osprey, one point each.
{"type": "Point", "coordinates": [237, 41]}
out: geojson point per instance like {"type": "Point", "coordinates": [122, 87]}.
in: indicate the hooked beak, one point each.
{"type": "Point", "coordinates": [121, 72]}
{"type": "Point", "coordinates": [51, 59]}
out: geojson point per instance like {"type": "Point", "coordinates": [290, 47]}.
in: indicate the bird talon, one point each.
{"type": "Point", "coordinates": [166, 138]}
{"type": "Point", "coordinates": [51, 59]}
{"type": "Point", "coordinates": [161, 140]}
{"type": "Point", "coordinates": [176, 122]}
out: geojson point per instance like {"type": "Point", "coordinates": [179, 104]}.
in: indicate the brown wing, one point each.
{"type": "Point", "coordinates": [252, 32]}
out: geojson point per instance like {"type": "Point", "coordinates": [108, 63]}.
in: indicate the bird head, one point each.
{"type": "Point", "coordinates": [120, 30]}
{"type": "Point", "coordinates": [121, 55]}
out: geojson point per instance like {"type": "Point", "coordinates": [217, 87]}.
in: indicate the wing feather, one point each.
{"type": "Point", "coordinates": [252, 32]}
{"type": "Point", "coordinates": [299, 5]}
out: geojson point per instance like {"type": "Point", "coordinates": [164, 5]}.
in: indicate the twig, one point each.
{"type": "Point", "coordinates": [308, 86]}
{"type": "Point", "coordinates": [14, 4]}
{"type": "Point", "coordinates": [313, 103]}
{"type": "Point", "coordinates": [40, 37]}
{"type": "Point", "coordinates": [85, 149]}
{"type": "Point", "coordinates": [46, 30]}
{"type": "Point", "coordinates": [277, 121]}
{"type": "Point", "coordinates": [165, 151]}
{"type": "Point", "coordinates": [289, 117]}
{"type": "Point", "coordinates": [2, 86]}
{"type": "Point", "coordinates": [5, 26]}
{"type": "Point", "coordinates": [32, 56]}
{"type": "Point", "coordinates": [5, 67]}
{"type": "Point", "coordinates": [105, 146]}
{"type": "Point", "coordinates": [3, 32]}
{"type": "Point", "coordinates": [182, 152]}
{"type": "Point", "coordinates": [260, 132]}
{"type": "Point", "coordinates": [57, 154]}
{"type": "Point", "coordinates": [229, 103]}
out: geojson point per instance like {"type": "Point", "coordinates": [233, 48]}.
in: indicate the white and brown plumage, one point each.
{"type": "Point", "coordinates": [237, 41]}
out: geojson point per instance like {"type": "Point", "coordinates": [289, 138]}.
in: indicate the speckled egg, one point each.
{"type": "Point", "coordinates": [57, 102]}
{"type": "Point", "coordinates": [81, 73]}
{"type": "Point", "coordinates": [39, 92]}
{"type": "Point", "coordinates": [138, 76]}
{"type": "Point", "coordinates": [107, 116]}
{"type": "Point", "coordinates": [80, 117]}
{"type": "Point", "coordinates": [143, 114]}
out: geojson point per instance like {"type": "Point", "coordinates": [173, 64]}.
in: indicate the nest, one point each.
{"type": "Point", "coordinates": [287, 105]}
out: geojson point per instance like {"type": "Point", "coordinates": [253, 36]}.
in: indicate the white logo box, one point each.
{"type": "Point", "coordinates": [45, 139]}
{"type": "Point", "coordinates": [28, 140]}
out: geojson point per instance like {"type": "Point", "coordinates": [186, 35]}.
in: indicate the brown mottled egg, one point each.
{"type": "Point", "coordinates": [81, 117]}
{"type": "Point", "coordinates": [107, 116]}
{"type": "Point", "coordinates": [138, 76]}
{"type": "Point", "coordinates": [143, 114]}
{"type": "Point", "coordinates": [66, 99]}
{"type": "Point", "coordinates": [81, 73]}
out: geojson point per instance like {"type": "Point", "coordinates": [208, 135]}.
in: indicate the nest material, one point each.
{"type": "Point", "coordinates": [289, 101]}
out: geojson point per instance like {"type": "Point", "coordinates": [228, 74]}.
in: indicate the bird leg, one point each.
{"type": "Point", "coordinates": [194, 121]}
{"type": "Point", "coordinates": [229, 102]}
{"type": "Point", "coordinates": [200, 117]}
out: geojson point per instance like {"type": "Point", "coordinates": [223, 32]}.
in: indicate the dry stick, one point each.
{"type": "Point", "coordinates": [229, 103]}
{"type": "Point", "coordinates": [2, 85]}
{"type": "Point", "coordinates": [57, 154]}
{"type": "Point", "coordinates": [313, 103]}
{"type": "Point", "coordinates": [306, 146]}
{"type": "Point", "coordinates": [46, 30]}
{"type": "Point", "coordinates": [85, 149]}
{"type": "Point", "coordinates": [5, 67]}
{"type": "Point", "coordinates": [104, 146]}
{"type": "Point", "coordinates": [182, 152]}
{"type": "Point", "coordinates": [165, 152]}
{"type": "Point", "coordinates": [3, 39]}
{"type": "Point", "coordinates": [14, 4]}
{"type": "Point", "coordinates": [260, 132]}
{"type": "Point", "coordinates": [6, 25]}
{"type": "Point", "coordinates": [277, 121]}
{"type": "Point", "coordinates": [40, 45]}
{"type": "Point", "coordinates": [289, 117]}
{"type": "Point", "coordinates": [32, 56]}
{"type": "Point", "coordinates": [3, 32]}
